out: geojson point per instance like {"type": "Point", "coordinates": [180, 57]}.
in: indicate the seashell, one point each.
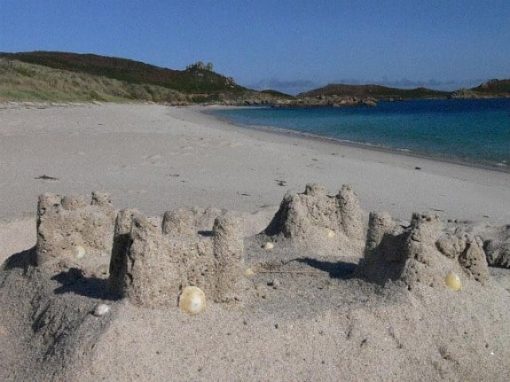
{"type": "Point", "coordinates": [101, 310]}
{"type": "Point", "coordinates": [192, 300]}
{"type": "Point", "coordinates": [79, 252]}
{"type": "Point", "coordinates": [331, 233]}
{"type": "Point", "coordinates": [268, 246]}
{"type": "Point", "coordinates": [249, 272]}
{"type": "Point", "coordinates": [453, 282]}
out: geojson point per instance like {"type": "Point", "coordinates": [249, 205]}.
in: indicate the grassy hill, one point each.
{"type": "Point", "coordinates": [20, 81]}
{"type": "Point", "coordinates": [276, 93]}
{"type": "Point", "coordinates": [61, 76]}
{"type": "Point", "coordinates": [374, 91]}
{"type": "Point", "coordinates": [499, 87]}
{"type": "Point", "coordinates": [192, 80]}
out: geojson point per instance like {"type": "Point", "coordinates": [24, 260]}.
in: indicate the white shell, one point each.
{"type": "Point", "coordinates": [79, 252]}
{"type": "Point", "coordinates": [453, 282]}
{"type": "Point", "coordinates": [249, 272]}
{"type": "Point", "coordinates": [331, 233]}
{"type": "Point", "coordinates": [101, 310]}
{"type": "Point", "coordinates": [268, 246]}
{"type": "Point", "coordinates": [192, 300]}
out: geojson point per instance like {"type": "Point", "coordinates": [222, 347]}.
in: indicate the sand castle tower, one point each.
{"type": "Point", "coordinates": [329, 224]}
{"type": "Point", "coordinates": [71, 229]}
{"type": "Point", "coordinates": [424, 253]}
{"type": "Point", "coordinates": [152, 263]}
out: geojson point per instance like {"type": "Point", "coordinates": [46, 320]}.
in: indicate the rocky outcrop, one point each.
{"type": "Point", "coordinates": [151, 264]}
{"type": "Point", "coordinates": [324, 101]}
{"type": "Point", "coordinates": [422, 253]}
{"type": "Point", "coordinates": [70, 228]}
{"type": "Point", "coordinates": [465, 94]}
{"type": "Point", "coordinates": [328, 224]}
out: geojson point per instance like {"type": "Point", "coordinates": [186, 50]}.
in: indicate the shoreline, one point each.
{"type": "Point", "coordinates": [364, 146]}
{"type": "Point", "coordinates": [156, 158]}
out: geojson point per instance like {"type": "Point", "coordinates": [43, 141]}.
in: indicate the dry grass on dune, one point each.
{"type": "Point", "coordinates": [27, 82]}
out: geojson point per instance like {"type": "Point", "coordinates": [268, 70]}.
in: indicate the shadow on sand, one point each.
{"type": "Point", "coordinates": [21, 260]}
{"type": "Point", "coordinates": [336, 270]}
{"type": "Point", "coordinates": [74, 281]}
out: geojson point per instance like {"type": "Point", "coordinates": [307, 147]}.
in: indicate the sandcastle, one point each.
{"type": "Point", "coordinates": [70, 227]}
{"type": "Point", "coordinates": [332, 225]}
{"type": "Point", "coordinates": [151, 264]}
{"type": "Point", "coordinates": [152, 260]}
{"type": "Point", "coordinates": [423, 253]}
{"type": "Point", "coordinates": [497, 246]}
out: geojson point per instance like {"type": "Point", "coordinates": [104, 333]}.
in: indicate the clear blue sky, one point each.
{"type": "Point", "coordinates": [284, 44]}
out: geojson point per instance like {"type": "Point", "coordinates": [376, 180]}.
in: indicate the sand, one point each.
{"type": "Point", "coordinates": [157, 158]}
{"type": "Point", "coordinates": [324, 325]}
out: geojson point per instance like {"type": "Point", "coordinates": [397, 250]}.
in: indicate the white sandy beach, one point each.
{"type": "Point", "coordinates": [157, 158]}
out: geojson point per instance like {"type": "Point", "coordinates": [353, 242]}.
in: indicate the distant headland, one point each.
{"type": "Point", "coordinates": [70, 77]}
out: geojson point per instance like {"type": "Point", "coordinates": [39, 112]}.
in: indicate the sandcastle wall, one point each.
{"type": "Point", "coordinates": [331, 224]}
{"type": "Point", "coordinates": [152, 260]}
{"type": "Point", "coordinates": [497, 245]}
{"type": "Point", "coordinates": [151, 264]}
{"type": "Point", "coordinates": [70, 226]}
{"type": "Point", "coordinates": [422, 253]}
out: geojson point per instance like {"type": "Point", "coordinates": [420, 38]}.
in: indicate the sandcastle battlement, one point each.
{"type": "Point", "coordinates": [331, 223]}
{"type": "Point", "coordinates": [70, 226]}
{"type": "Point", "coordinates": [497, 245]}
{"type": "Point", "coordinates": [422, 253]}
{"type": "Point", "coordinates": [153, 259]}
{"type": "Point", "coordinates": [151, 264]}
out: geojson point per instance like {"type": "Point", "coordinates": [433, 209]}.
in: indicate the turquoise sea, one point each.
{"type": "Point", "coordinates": [476, 131]}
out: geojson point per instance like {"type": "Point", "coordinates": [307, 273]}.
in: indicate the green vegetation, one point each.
{"type": "Point", "coordinates": [197, 78]}
{"type": "Point", "coordinates": [374, 91]}
{"type": "Point", "coordinates": [199, 65]}
{"type": "Point", "coordinates": [67, 77]}
{"type": "Point", "coordinates": [27, 82]}
{"type": "Point", "coordinates": [499, 87]}
{"type": "Point", "coordinates": [276, 93]}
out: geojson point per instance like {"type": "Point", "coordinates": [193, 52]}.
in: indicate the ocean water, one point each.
{"type": "Point", "coordinates": [476, 131]}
